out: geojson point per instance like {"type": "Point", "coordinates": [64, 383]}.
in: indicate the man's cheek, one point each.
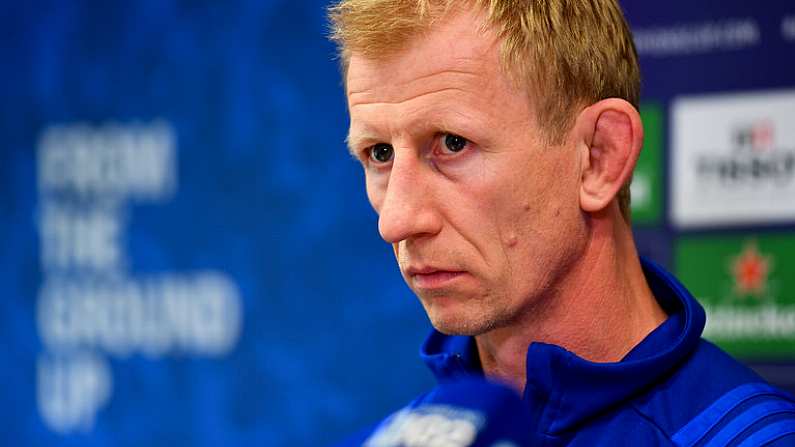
{"type": "Point", "coordinates": [375, 194]}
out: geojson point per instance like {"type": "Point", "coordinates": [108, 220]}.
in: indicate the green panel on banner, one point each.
{"type": "Point", "coordinates": [747, 285]}
{"type": "Point", "coordinates": [647, 180]}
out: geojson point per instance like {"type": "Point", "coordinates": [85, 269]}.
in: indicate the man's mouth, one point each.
{"type": "Point", "coordinates": [432, 278]}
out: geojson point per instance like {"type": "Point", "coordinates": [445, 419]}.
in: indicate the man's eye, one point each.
{"type": "Point", "coordinates": [381, 153]}
{"type": "Point", "coordinates": [455, 143]}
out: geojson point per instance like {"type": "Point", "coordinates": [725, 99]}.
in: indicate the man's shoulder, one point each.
{"type": "Point", "coordinates": [712, 396]}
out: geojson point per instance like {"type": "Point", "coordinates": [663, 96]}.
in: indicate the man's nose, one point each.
{"type": "Point", "coordinates": [407, 210]}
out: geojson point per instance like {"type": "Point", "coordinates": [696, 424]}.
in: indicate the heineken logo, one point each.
{"type": "Point", "coordinates": [747, 287]}
{"type": "Point", "coordinates": [733, 159]}
{"type": "Point", "coordinates": [750, 270]}
{"type": "Point", "coordinates": [757, 137]}
{"type": "Point", "coordinates": [754, 158]}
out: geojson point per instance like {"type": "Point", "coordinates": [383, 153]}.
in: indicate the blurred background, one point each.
{"type": "Point", "coordinates": [187, 255]}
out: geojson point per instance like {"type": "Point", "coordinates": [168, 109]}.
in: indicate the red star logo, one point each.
{"type": "Point", "coordinates": [750, 269]}
{"type": "Point", "coordinates": [762, 136]}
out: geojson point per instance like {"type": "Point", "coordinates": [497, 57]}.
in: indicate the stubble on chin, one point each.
{"type": "Point", "coordinates": [470, 317]}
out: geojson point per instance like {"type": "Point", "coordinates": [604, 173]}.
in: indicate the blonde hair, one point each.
{"type": "Point", "coordinates": [573, 52]}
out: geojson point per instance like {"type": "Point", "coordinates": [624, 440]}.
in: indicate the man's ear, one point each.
{"type": "Point", "coordinates": [611, 135]}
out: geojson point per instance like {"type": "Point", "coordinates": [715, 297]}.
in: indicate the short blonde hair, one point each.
{"type": "Point", "coordinates": [573, 52]}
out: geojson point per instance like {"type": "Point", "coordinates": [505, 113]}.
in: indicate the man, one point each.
{"type": "Point", "coordinates": [498, 139]}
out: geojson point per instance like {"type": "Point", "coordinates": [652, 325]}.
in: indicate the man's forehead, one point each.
{"type": "Point", "coordinates": [456, 43]}
{"type": "Point", "coordinates": [370, 80]}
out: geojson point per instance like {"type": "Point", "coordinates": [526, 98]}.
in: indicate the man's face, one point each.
{"type": "Point", "coordinates": [483, 217]}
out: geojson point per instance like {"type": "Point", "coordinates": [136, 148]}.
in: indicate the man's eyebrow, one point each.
{"type": "Point", "coordinates": [351, 143]}
{"type": "Point", "coordinates": [356, 138]}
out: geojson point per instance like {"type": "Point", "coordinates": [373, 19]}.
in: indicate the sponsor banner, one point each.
{"type": "Point", "coordinates": [698, 38]}
{"type": "Point", "coordinates": [647, 178]}
{"type": "Point", "coordinates": [733, 159]}
{"type": "Point", "coordinates": [747, 286]}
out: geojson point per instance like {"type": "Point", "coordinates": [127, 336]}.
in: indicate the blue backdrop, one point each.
{"type": "Point", "coordinates": [186, 250]}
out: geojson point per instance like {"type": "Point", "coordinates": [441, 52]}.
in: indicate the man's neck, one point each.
{"type": "Point", "coordinates": [599, 310]}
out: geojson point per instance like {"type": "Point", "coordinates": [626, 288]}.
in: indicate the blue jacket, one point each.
{"type": "Point", "coordinates": [673, 388]}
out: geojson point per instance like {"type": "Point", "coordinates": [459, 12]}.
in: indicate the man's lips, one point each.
{"type": "Point", "coordinates": [431, 277]}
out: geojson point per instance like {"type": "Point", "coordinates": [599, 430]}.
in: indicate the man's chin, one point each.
{"type": "Point", "coordinates": [458, 315]}
{"type": "Point", "coordinates": [459, 325]}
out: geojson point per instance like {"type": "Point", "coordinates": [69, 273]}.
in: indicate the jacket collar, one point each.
{"type": "Point", "coordinates": [565, 390]}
